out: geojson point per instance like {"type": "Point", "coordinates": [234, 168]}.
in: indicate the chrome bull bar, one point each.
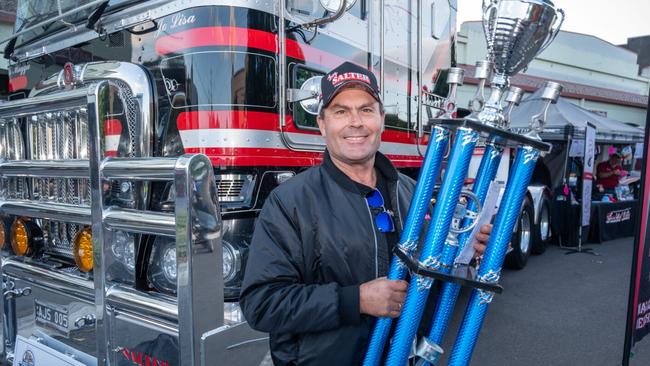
{"type": "Point", "coordinates": [198, 318]}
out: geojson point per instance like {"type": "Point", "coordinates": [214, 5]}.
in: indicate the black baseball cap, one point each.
{"type": "Point", "coordinates": [345, 74]}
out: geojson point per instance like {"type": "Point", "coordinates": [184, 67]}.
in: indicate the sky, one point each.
{"type": "Point", "coordinates": [613, 21]}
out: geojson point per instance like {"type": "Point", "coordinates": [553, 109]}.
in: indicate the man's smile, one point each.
{"type": "Point", "coordinates": [355, 138]}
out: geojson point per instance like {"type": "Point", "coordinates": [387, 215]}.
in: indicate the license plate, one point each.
{"type": "Point", "coordinates": [51, 315]}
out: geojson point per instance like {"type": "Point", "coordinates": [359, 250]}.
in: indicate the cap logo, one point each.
{"type": "Point", "coordinates": [337, 79]}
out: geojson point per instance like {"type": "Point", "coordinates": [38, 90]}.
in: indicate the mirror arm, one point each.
{"type": "Point", "coordinates": [315, 23]}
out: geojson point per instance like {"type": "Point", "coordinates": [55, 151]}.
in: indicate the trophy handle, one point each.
{"type": "Point", "coordinates": [487, 3]}
{"type": "Point", "coordinates": [554, 31]}
{"type": "Point", "coordinates": [463, 214]}
{"type": "Point", "coordinates": [487, 12]}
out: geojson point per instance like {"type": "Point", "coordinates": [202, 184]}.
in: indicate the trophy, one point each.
{"type": "Point", "coordinates": [516, 31]}
{"type": "Point", "coordinates": [419, 204]}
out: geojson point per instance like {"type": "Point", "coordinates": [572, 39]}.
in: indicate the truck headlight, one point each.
{"type": "Point", "coordinates": [123, 248]}
{"type": "Point", "coordinates": [162, 265]}
{"type": "Point", "coordinates": [169, 264]}
{"type": "Point", "coordinates": [231, 262]}
{"type": "Point", "coordinates": [162, 271]}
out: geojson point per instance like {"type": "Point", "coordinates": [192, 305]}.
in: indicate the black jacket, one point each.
{"type": "Point", "coordinates": [314, 244]}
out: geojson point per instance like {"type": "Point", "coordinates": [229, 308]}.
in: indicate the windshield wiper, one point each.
{"type": "Point", "coordinates": [9, 48]}
{"type": "Point", "coordinates": [96, 15]}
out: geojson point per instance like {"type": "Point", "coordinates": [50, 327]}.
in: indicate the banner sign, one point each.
{"type": "Point", "coordinates": [638, 312]}
{"type": "Point", "coordinates": [588, 172]}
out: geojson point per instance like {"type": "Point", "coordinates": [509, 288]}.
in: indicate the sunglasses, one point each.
{"type": "Point", "coordinates": [383, 219]}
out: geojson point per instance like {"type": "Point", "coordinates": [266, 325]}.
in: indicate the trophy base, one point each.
{"type": "Point", "coordinates": [463, 275]}
{"type": "Point", "coordinates": [427, 352]}
{"type": "Point", "coordinates": [499, 136]}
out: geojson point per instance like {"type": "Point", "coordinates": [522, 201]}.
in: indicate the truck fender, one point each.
{"type": "Point", "coordinates": [537, 193]}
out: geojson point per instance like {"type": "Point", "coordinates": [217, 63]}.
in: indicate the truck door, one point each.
{"type": "Point", "coordinates": [311, 51]}
{"type": "Point", "coordinates": [415, 46]}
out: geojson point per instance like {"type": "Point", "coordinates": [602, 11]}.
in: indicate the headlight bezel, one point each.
{"type": "Point", "coordinates": [235, 260]}
{"type": "Point", "coordinates": [155, 274]}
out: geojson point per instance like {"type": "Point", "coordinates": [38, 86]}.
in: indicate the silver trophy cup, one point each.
{"type": "Point", "coordinates": [516, 31]}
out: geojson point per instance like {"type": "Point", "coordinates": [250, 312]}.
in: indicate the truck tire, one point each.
{"type": "Point", "coordinates": [521, 238]}
{"type": "Point", "coordinates": [542, 230]}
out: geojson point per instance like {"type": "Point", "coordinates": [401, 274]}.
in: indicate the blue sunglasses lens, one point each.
{"type": "Point", "coordinates": [375, 199]}
{"type": "Point", "coordinates": [384, 222]}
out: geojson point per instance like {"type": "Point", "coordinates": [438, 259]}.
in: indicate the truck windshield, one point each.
{"type": "Point", "coordinates": [32, 12]}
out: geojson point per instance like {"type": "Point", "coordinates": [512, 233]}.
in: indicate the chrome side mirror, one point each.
{"type": "Point", "coordinates": [308, 95]}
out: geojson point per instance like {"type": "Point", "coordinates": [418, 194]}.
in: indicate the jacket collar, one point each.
{"type": "Point", "coordinates": [381, 163]}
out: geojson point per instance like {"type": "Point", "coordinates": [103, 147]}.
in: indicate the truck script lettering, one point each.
{"type": "Point", "coordinates": [177, 20]}
{"type": "Point", "coordinates": [142, 359]}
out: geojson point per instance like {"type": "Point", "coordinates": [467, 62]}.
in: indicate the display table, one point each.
{"type": "Point", "coordinates": [612, 220]}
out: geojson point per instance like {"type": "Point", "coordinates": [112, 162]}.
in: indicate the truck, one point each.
{"type": "Point", "coordinates": [140, 141]}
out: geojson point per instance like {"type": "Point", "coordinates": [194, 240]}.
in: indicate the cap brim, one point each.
{"type": "Point", "coordinates": [342, 86]}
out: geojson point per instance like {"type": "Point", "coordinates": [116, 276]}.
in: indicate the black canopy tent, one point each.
{"type": "Point", "coordinates": [566, 121]}
{"type": "Point", "coordinates": [565, 113]}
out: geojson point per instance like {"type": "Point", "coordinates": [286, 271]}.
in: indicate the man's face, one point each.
{"type": "Point", "coordinates": [352, 125]}
{"type": "Point", "coordinates": [615, 160]}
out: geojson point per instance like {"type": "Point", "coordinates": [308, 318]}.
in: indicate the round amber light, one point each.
{"type": "Point", "coordinates": [20, 237]}
{"type": "Point", "coordinates": [2, 235]}
{"type": "Point", "coordinates": [82, 250]}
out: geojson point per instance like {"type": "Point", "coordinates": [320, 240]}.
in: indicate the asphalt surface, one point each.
{"type": "Point", "coordinates": [561, 310]}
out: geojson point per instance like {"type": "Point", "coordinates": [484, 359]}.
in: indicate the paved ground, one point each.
{"type": "Point", "coordinates": [562, 310]}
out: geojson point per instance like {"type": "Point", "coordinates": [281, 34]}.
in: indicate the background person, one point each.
{"type": "Point", "coordinates": [610, 172]}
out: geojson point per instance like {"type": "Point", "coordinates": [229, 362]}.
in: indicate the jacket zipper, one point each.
{"type": "Point", "coordinates": [399, 212]}
{"type": "Point", "coordinates": [374, 234]}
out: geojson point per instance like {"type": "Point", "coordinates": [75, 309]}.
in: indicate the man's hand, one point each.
{"type": "Point", "coordinates": [382, 297]}
{"type": "Point", "coordinates": [482, 238]}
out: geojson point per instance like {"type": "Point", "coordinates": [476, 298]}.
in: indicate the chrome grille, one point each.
{"type": "Point", "coordinates": [235, 190]}
{"type": "Point", "coordinates": [230, 190]}
{"type": "Point", "coordinates": [11, 148]}
{"type": "Point", "coordinates": [59, 135]}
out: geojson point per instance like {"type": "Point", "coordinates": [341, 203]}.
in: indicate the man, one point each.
{"type": "Point", "coordinates": [323, 241]}
{"type": "Point", "coordinates": [610, 172]}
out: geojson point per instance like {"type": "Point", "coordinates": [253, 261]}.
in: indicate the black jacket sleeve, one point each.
{"type": "Point", "coordinates": [275, 297]}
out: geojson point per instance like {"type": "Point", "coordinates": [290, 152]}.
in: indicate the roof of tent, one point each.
{"type": "Point", "coordinates": [565, 113]}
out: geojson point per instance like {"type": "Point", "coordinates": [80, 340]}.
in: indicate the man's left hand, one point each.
{"type": "Point", "coordinates": [480, 243]}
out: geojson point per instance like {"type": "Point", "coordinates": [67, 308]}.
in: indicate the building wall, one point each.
{"type": "Point", "coordinates": [641, 45]}
{"type": "Point", "coordinates": [605, 73]}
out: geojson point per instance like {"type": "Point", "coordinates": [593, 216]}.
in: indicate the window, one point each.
{"type": "Point", "coordinates": [221, 78]}
{"type": "Point", "coordinates": [300, 117]}
{"type": "Point", "coordinates": [314, 9]}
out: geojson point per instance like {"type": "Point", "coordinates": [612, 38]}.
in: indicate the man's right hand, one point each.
{"type": "Point", "coordinates": [382, 297]}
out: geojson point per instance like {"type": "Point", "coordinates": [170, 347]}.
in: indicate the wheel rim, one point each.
{"type": "Point", "coordinates": [544, 224]}
{"type": "Point", "coordinates": [524, 232]}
